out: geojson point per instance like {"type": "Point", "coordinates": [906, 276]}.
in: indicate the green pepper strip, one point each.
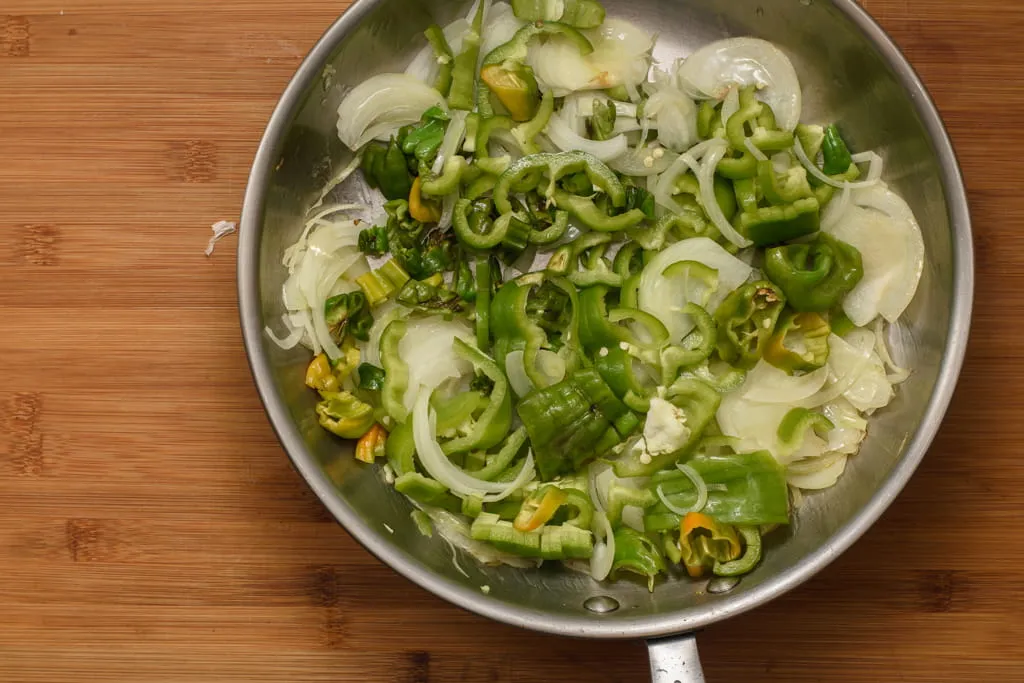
{"type": "Point", "coordinates": [629, 260]}
{"type": "Point", "coordinates": [699, 401]}
{"type": "Point", "coordinates": [811, 333]}
{"type": "Point", "coordinates": [498, 232]}
{"type": "Point", "coordinates": [514, 330]}
{"type": "Point", "coordinates": [572, 422]}
{"type": "Point", "coordinates": [589, 214]}
{"type": "Point", "coordinates": [577, 13]}
{"type": "Point", "coordinates": [554, 232]}
{"type": "Point", "coordinates": [675, 358]}
{"type": "Point", "coordinates": [486, 129]}
{"type": "Point", "coordinates": [783, 191]}
{"type": "Point", "coordinates": [795, 425]}
{"type": "Point", "coordinates": [495, 421]}
{"type": "Point", "coordinates": [464, 74]}
{"type": "Point", "coordinates": [562, 542]}
{"type": "Point", "coordinates": [638, 554]}
{"type": "Point", "coordinates": [815, 276]}
{"type": "Point", "coordinates": [755, 491]}
{"type": "Point", "coordinates": [400, 448]}
{"type": "Point", "coordinates": [620, 496]}
{"type": "Point", "coordinates": [515, 50]}
{"type": "Point", "coordinates": [483, 302]}
{"type": "Point", "coordinates": [396, 371]}
{"type": "Point", "coordinates": [525, 175]}
{"type": "Point", "coordinates": [500, 462]}
{"type": "Point", "coordinates": [527, 131]}
{"type": "Point", "coordinates": [616, 368]}
{"type": "Point", "coordinates": [746, 321]}
{"type": "Point", "coordinates": [834, 151]}
{"type": "Point", "coordinates": [775, 224]}
{"type": "Point", "coordinates": [751, 555]}
{"type": "Point", "coordinates": [746, 194]}
{"type": "Point", "coordinates": [448, 182]}
{"type": "Point", "coordinates": [445, 58]}
{"type": "Point", "coordinates": [811, 139]}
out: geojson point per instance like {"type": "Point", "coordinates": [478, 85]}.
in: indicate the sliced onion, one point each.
{"type": "Point", "coordinates": [289, 342]}
{"type": "Point", "coordinates": [567, 140]}
{"type": "Point", "coordinates": [663, 297]}
{"type": "Point", "coordinates": [898, 374]}
{"type": "Point", "coordinates": [424, 65]}
{"type": "Point", "coordinates": [754, 151]}
{"type": "Point", "coordinates": [383, 316]}
{"type": "Point", "coordinates": [874, 169]}
{"type": "Point", "coordinates": [698, 484]}
{"type": "Point", "coordinates": [641, 162]}
{"type": "Point", "coordinates": [438, 466]}
{"type": "Point", "coordinates": [730, 104]}
{"type": "Point", "coordinates": [604, 547]}
{"type": "Point", "coordinates": [452, 141]}
{"type": "Point", "coordinates": [382, 103]}
{"type": "Point", "coordinates": [836, 210]}
{"type": "Point", "coordinates": [516, 372]}
{"type": "Point", "coordinates": [501, 25]}
{"type": "Point", "coordinates": [826, 475]}
{"type": "Point", "coordinates": [621, 56]}
{"type": "Point", "coordinates": [717, 67]}
{"type": "Point", "coordinates": [707, 195]}
{"type": "Point", "coordinates": [665, 187]}
{"type": "Point", "coordinates": [846, 364]}
{"type": "Point", "coordinates": [768, 384]}
{"type": "Point", "coordinates": [427, 348]}
{"type": "Point", "coordinates": [675, 115]}
{"type": "Point", "coordinates": [883, 229]}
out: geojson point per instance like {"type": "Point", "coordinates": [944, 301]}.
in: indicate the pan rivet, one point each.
{"type": "Point", "coordinates": [722, 584]}
{"type": "Point", "coordinates": [601, 604]}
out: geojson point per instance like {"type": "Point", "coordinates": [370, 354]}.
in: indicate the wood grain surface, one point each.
{"type": "Point", "coordinates": [151, 528]}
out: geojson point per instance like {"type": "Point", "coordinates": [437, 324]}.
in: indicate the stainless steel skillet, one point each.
{"type": "Point", "coordinates": [851, 72]}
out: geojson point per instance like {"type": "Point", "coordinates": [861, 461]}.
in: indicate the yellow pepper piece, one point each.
{"type": "Point", "coordinates": [319, 375]}
{"type": "Point", "coordinates": [703, 540]}
{"type": "Point", "coordinates": [514, 92]}
{"type": "Point", "coordinates": [423, 211]}
{"type": "Point", "coordinates": [536, 513]}
{"type": "Point", "coordinates": [371, 444]}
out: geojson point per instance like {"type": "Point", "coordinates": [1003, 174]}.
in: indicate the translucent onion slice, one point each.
{"type": "Point", "coordinates": [707, 196]}
{"type": "Point", "coordinates": [501, 25]}
{"type": "Point", "coordinates": [664, 297]}
{"type": "Point", "coordinates": [827, 473]}
{"type": "Point", "coordinates": [873, 176]}
{"type": "Point", "coordinates": [882, 227]}
{"type": "Point", "coordinates": [438, 466]}
{"type": "Point", "coordinates": [516, 372]}
{"type": "Point", "coordinates": [289, 342]}
{"type": "Point", "coordinates": [604, 547]}
{"type": "Point", "coordinates": [768, 384]}
{"type": "Point", "coordinates": [452, 141]}
{"type": "Point", "coordinates": [640, 162]}
{"type": "Point", "coordinates": [675, 116]}
{"type": "Point", "coordinates": [565, 139]}
{"type": "Point", "coordinates": [383, 103]}
{"type": "Point", "coordinates": [427, 348]}
{"type": "Point", "coordinates": [713, 69]}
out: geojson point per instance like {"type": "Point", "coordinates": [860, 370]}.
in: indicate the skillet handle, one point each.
{"type": "Point", "coordinates": [675, 660]}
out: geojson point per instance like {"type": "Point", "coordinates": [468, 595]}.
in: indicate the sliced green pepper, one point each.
{"type": "Point", "coordinates": [795, 425]}
{"type": "Point", "coordinates": [589, 214]}
{"type": "Point", "coordinates": [638, 554]}
{"type": "Point", "coordinates": [422, 141]}
{"type": "Point", "coordinates": [464, 72]}
{"type": "Point", "coordinates": [775, 224]}
{"type": "Point", "coordinates": [800, 343]}
{"type": "Point", "coordinates": [443, 55]}
{"type": "Point", "coordinates": [815, 276]}
{"type": "Point", "coordinates": [602, 124]}
{"type": "Point", "coordinates": [483, 302]}
{"type": "Point", "coordinates": [374, 241]}
{"type": "Point", "coordinates": [525, 174]}
{"type": "Point", "coordinates": [400, 449]}
{"type": "Point", "coordinates": [751, 555]}
{"type": "Point", "coordinates": [386, 169]}
{"type": "Point", "coordinates": [746, 321]}
{"type": "Point", "coordinates": [343, 414]}
{"type": "Point", "coordinates": [493, 424]}
{"type": "Point", "coordinates": [744, 488]}
{"type": "Point", "coordinates": [578, 13]}
{"type": "Point", "coordinates": [396, 371]}
{"type": "Point", "coordinates": [786, 190]}
{"type": "Point", "coordinates": [348, 314]}
{"type": "Point", "coordinates": [834, 151]}
{"type": "Point", "coordinates": [370, 377]}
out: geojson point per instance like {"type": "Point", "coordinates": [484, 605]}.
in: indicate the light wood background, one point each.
{"type": "Point", "coordinates": [151, 528]}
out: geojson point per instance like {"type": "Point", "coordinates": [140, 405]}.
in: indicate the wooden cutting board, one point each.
{"type": "Point", "coordinates": [151, 528]}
